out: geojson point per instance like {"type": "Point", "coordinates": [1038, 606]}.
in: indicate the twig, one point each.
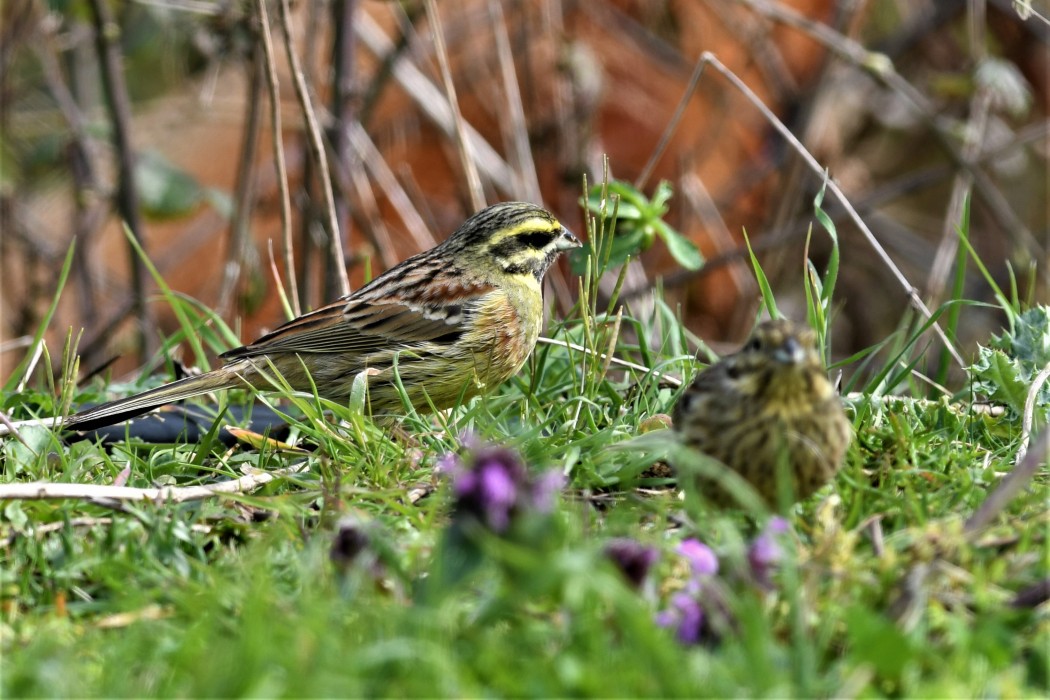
{"type": "Point", "coordinates": [833, 187]}
{"type": "Point", "coordinates": [1029, 411]}
{"type": "Point", "coordinates": [278, 156]}
{"type": "Point", "coordinates": [1010, 486]}
{"type": "Point", "coordinates": [9, 427]}
{"type": "Point", "coordinates": [436, 108]}
{"type": "Point", "coordinates": [380, 171]}
{"type": "Point", "coordinates": [167, 494]}
{"type": "Point", "coordinates": [119, 104]}
{"type": "Point", "coordinates": [676, 118]}
{"type": "Point", "coordinates": [519, 140]}
{"type": "Point", "coordinates": [241, 250]}
{"type": "Point", "coordinates": [343, 104]}
{"type": "Point", "coordinates": [317, 150]}
{"type": "Point", "coordinates": [613, 360]}
{"type": "Point", "coordinates": [882, 69]}
{"type": "Point", "coordinates": [470, 170]}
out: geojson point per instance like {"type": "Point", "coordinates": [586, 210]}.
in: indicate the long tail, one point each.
{"type": "Point", "coordinates": [123, 409]}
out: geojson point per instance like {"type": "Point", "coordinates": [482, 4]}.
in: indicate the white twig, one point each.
{"type": "Point", "coordinates": [833, 187]}
{"type": "Point", "coordinates": [1029, 411]}
{"type": "Point", "coordinates": [172, 494]}
{"type": "Point", "coordinates": [612, 360]}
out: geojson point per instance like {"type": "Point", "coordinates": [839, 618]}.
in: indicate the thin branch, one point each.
{"type": "Point", "coordinates": [436, 108]}
{"type": "Point", "coordinates": [119, 104]}
{"type": "Point", "coordinates": [672, 126]}
{"type": "Point", "coordinates": [166, 494]}
{"type": "Point", "coordinates": [670, 379]}
{"type": "Point", "coordinates": [882, 70]}
{"type": "Point", "coordinates": [278, 156]}
{"type": "Point", "coordinates": [241, 250]}
{"type": "Point", "coordinates": [470, 170]}
{"type": "Point", "coordinates": [521, 148]}
{"type": "Point", "coordinates": [1010, 486]}
{"type": "Point", "coordinates": [380, 171]}
{"type": "Point", "coordinates": [1029, 410]}
{"type": "Point", "coordinates": [343, 100]}
{"type": "Point", "coordinates": [833, 187]}
{"type": "Point", "coordinates": [317, 150]}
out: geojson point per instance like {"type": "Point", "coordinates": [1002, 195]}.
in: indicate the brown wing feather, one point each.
{"type": "Point", "coordinates": [357, 326]}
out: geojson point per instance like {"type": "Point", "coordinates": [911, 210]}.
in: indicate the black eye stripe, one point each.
{"type": "Point", "coordinates": [535, 239]}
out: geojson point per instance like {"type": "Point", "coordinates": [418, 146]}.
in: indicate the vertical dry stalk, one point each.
{"type": "Point", "coordinates": [343, 107]}
{"type": "Point", "coordinates": [119, 105]}
{"type": "Point", "coordinates": [241, 253]}
{"type": "Point", "coordinates": [519, 130]}
{"type": "Point", "coordinates": [477, 196]}
{"type": "Point", "coordinates": [317, 150]}
{"type": "Point", "coordinates": [278, 156]}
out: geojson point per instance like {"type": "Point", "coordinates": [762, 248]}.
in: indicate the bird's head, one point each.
{"type": "Point", "coordinates": [512, 238]}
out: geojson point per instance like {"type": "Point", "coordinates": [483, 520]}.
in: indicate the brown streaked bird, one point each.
{"type": "Point", "coordinates": [461, 318]}
{"type": "Point", "coordinates": [767, 404]}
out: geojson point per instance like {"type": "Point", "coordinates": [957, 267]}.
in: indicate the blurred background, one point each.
{"type": "Point", "coordinates": [157, 113]}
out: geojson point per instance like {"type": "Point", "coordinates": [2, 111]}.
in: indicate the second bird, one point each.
{"type": "Point", "coordinates": [461, 317]}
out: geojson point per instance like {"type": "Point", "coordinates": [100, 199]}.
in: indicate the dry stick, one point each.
{"type": "Point", "coordinates": [1010, 486]}
{"type": "Point", "coordinates": [1029, 410]}
{"type": "Point", "coordinates": [343, 108]}
{"type": "Point", "coordinates": [434, 105]}
{"type": "Point", "coordinates": [278, 157]}
{"type": "Point", "coordinates": [470, 170]}
{"type": "Point", "coordinates": [384, 176]}
{"type": "Point", "coordinates": [119, 104]}
{"type": "Point", "coordinates": [519, 129]}
{"type": "Point", "coordinates": [833, 187]}
{"type": "Point", "coordinates": [665, 138]}
{"type": "Point", "coordinates": [881, 69]}
{"type": "Point", "coordinates": [241, 250]}
{"type": "Point", "coordinates": [906, 184]}
{"type": "Point", "coordinates": [166, 494]}
{"type": "Point", "coordinates": [317, 150]}
{"type": "Point", "coordinates": [961, 188]}
{"type": "Point", "coordinates": [608, 359]}
{"type": "Point", "coordinates": [89, 213]}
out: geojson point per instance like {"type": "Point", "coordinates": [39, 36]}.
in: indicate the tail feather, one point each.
{"type": "Point", "coordinates": [132, 406]}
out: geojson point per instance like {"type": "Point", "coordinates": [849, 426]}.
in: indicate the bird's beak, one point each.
{"type": "Point", "coordinates": [566, 241]}
{"type": "Point", "coordinates": [790, 353]}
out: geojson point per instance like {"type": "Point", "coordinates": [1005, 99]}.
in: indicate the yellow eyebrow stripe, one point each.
{"type": "Point", "coordinates": [533, 224]}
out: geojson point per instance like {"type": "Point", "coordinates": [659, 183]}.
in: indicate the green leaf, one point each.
{"type": "Point", "coordinates": [1001, 378]}
{"type": "Point", "coordinates": [683, 250]}
{"type": "Point", "coordinates": [878, 641]}
{"type": "Point", "coordinates": [165, 191]}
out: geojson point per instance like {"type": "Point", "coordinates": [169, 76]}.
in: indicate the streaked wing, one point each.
{"type": "Point", "coordinates": [360, 327]}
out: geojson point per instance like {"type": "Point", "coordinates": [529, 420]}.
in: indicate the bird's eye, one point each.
{"type": "Point", "coordinates": [536, 239]}
{"type": "Point", "coordinates": [753, 345]}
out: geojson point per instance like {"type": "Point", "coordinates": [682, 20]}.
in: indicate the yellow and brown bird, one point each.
{"type": "Point", "coordinates": [769, 404]}
{"type": "Point", "coordinates": [460, 319]}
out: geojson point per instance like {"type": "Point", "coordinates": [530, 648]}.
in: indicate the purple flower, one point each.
{"type": "Point", "coordinates": [545, 490]}
{"type": "Point", "coordinates": [493, 485]}
{"type": "Point", "coordinates": [701, 558]}
{"type": "Point", "coordinates": [765, 553]}
{"type": "Point", "coordinates": [685, 615]}
{"type": "Point", "coordinates": [632, 558]}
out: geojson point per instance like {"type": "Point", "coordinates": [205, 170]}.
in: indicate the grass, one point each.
{"type": "Point", "coordinates": [879, 590]}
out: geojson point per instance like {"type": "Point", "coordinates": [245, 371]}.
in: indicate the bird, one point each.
{"type": "Point", "coordinates": [458, 320]}
{"type": "Point", "coordinates": [769, 404]}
